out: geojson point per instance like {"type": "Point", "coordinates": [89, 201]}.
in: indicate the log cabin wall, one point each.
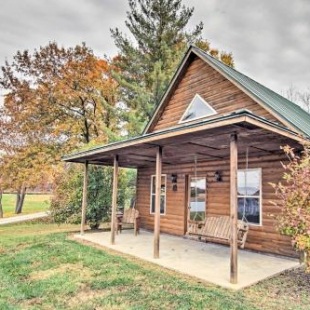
{"type": "Point", "coordinates": [263, 238]}
{"type": "Point", "coordinates": [213, 87]}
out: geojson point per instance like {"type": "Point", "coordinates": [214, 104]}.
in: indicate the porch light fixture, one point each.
{"type": "Point", "coordinates": [174, 181]}
{"type": "Point", "coordinates": [218, 176]}
{"type": "Point", "coordinates": [174, 178]}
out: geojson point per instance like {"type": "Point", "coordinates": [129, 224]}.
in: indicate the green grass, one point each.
{"type": "Point", "coordinates": [41, 268]}
{"type": "Point", "coordinates": [33, 203]}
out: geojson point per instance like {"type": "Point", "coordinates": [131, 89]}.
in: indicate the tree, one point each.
{"type": "Point", "coordinates": [301, 97]}
{"type": "Point", "coordinates": [305, 99]}
{"type": "Point", "coordinates": [294, 200]}
{"type": "Point", "coordinates": [67, 198]}
{"type": "Point", "coordinates": [24, 168]}
{"type": "Point", "coordinates": [56, 100]}
{"type": "Point", "coordinates": [145, 65]}
{"type": "Point", "coordinates": [65, 95]}
{"type": "Point", "coordinates": [1, 209]}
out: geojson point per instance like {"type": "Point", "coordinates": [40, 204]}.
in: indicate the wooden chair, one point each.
{"type": "Point", "coordinates": [130, 216]}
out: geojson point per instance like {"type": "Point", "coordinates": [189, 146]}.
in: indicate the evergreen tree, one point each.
{"type": "Point", "coordinates": [146, 64]}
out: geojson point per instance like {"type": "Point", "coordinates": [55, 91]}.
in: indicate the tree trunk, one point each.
{"type": "Point", "coordinates": [17, 200]}
{"type": "Point", "coordinates": [20, 200]}
{"type": "Point", "coordinates": [1, 210]}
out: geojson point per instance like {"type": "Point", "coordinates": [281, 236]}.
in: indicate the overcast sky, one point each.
{"type": "Point", "coordinates": [270, 40]}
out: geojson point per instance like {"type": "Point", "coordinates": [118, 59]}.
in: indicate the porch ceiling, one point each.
{"type": "Point", "coordinates": [209, 141]}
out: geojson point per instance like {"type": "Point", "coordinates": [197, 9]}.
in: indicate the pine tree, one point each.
{"type": "Point", "coordinates": [145, 65]}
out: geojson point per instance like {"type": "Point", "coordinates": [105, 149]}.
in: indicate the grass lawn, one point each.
{"type": "Point", "coordinates": [33, 203]}
{"type": "Point", "coordinates": [41, 268]}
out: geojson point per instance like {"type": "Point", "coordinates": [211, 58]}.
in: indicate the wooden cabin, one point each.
{"type": "Point", "coordinates": [211, 149]}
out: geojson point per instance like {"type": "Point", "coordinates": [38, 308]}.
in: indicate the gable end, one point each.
{"type": "Point", "coordinates": [236, 90]}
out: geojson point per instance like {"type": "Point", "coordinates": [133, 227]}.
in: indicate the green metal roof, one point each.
{"type": "Point", "coordinates": [80, 156]}
{"type": "Point", "coordinates": [283, 107]}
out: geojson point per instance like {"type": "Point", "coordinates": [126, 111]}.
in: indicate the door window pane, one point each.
{"type": "Point", "coordinates": [197, 198]}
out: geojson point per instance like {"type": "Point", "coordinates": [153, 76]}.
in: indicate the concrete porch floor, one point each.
{"type": "Point", "coordinates": [206, 261]}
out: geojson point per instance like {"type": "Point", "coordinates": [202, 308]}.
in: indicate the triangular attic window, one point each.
{"type": "Point", "coordinates": [198, 108]}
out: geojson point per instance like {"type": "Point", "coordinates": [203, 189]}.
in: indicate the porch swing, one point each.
{"type": "Point", "coordinates": [217, 228]}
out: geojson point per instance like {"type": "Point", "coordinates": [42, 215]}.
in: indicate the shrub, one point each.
{"type": "Point", "coordinates": [294, 200]}
{"type": "Point", "coordinates": [67, 199]}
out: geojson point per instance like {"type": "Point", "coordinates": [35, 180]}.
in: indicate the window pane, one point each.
{"type": "Point", "coordinates": [153, 184]}
{"type": "Point", "coordinates": [249, 182]}
{"type": "Point", "coordinates": [163, 184]}
{"type": "Point", "coordinates": [198, 198]}
{"type": "Point", "coordinates": [198, 189]}
{"type": "Point", "coordinates": [198, 216]}
{"type": "Point", "coordinates": [197, 108]}
{"type": "Point", "coordinates": [250, 207]}
{"type": "Point", "coordinates": [153, 204]}
{"type": "Point", "coordinates": [162, 194]}
{"type": "Point", "coordinates": [162, 204]}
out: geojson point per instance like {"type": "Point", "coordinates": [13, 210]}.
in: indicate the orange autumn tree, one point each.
{"type": "Point", "coordinates": [26, 161]}
{"type": "Point", "coordinates": [26, 167]}
{"type": "Point", "coordinates": [1, 194]}
{"type": "Point", "coordinates": [57, 99]}
{"type": "Point", "coordinates": [67, 95]}
{"type": "Point", "coordinates": [13, 162]}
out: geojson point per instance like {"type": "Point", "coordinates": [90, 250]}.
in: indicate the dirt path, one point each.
{"type": "Point", "coordinates": [23, 218]}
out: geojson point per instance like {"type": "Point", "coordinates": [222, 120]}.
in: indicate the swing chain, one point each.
{"type": "Point", "coordinates": [245, 183]}
{"type": "Point", "coordinates": [196, 190]}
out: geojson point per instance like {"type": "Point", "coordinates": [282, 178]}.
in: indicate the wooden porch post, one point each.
{"type": "Point", "coordinates": [114, 199]}
{"type": "Point", "coordinates": [157, 202]}
{"type": "Point", "coordinates": [233, 209]}
{"type": "Point", "coordinates": [84, 201]}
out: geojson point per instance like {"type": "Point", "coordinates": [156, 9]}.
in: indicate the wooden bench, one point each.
{"type": "Point", "coordinates": [217, 228]}
{"type": "Point", "coordinates": [130, 216]}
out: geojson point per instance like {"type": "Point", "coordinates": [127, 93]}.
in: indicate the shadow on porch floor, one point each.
{"type": "Point", "coordinates": [206, 261]}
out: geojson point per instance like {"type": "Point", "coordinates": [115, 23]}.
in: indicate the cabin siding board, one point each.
{"type": "Point", "coordinates": [264, 238]}
{"type": "Point", "coordinates": [213, 87]}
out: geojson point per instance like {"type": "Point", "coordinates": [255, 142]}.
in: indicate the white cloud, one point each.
{"type": "Point", "coordinates": [269, 39]}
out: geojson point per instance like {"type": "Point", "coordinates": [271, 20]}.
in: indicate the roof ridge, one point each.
{"type": "Point", "coordinates": [285, 108]}
{"type": "Point", "coordinates": [246, 76]}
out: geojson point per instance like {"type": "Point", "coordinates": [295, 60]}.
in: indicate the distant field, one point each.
{"type": "Point", "coordinates": [33, 203]}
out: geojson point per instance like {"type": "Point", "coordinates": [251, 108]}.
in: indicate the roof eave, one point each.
{"type": "Point", "coordinates": [252, 95]}
{"type": "Point", "coordinates": [230, 119]}
{"type": "Point", "coordinates": [173, 82]}
{"type": "Point", "coordinates": [195, 51]}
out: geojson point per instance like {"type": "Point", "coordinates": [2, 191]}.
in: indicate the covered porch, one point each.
{"type": "Point", "coordinates": [225, 139]}
{"type": "Point", "coordinates": [205, 261]}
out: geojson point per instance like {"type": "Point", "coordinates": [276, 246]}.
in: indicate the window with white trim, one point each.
{"type": "Point", "coordinates": [162, 194]}
{"type": "Point", "coordinates": [197, 108]}
{"type": "Point", "coordinates": [249, 195]}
